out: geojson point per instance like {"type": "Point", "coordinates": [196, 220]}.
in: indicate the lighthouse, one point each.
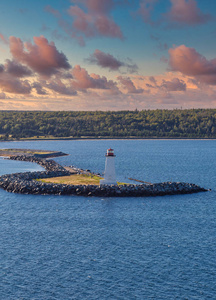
{"type": "Point", "coordinates": [109, 174]}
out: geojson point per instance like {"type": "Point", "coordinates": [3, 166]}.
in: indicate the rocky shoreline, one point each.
{"type": "Point", "coordinates": [26, 183]}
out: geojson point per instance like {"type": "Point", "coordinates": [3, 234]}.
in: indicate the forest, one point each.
{"type": "Point", "coordinates": [190, 123]}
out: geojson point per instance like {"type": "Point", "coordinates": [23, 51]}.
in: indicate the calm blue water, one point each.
{"type": "Point", "coordinates": [62, 247]}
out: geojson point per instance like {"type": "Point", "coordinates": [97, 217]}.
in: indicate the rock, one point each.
{"type": "Point", "coordinates": [26, 183]}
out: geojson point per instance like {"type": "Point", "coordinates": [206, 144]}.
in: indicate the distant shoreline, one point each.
{"type": "Point", "coordinates": [104, 138]}
{"type": "Point", "coordinates": [97, 125]}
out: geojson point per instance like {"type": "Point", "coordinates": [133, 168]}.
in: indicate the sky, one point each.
{"type": "Point", "coordinates": [107, 54]}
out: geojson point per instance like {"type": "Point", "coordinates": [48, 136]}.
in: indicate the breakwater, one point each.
{"type": "Point", "coordinates": [48, 165]}
{"type": "Point", "coordinates": [27, 183]}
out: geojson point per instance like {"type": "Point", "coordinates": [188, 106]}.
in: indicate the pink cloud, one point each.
{"type": "Point", "coordinates": [52, 11]}
{"type": "Point", "coordinates": [146, 9]}
{"type": "Point", "coordinates": [129, 85]}
{"type": "Point", "coordinates": [94, 23]}
{"type": "Point", "coordinates": [58, 86]}
{"type": "Point", "coordinates": [39, 88]}
{"type": "Point", "coordinates": [42, 57]}
{"type": "Point", "coordinates": [97, 6]}
{"type": "Point", "coordinates": [16, 69]}
{"type": "Point", "coordinates": [189, 62]}
{"type": "Point", "coordinates": [15, 86]}
{"type": "Point", "coordinates": [174, 85]}
{"type": "Point", "coordinates": [106, 60]}
{"type": "Point", "coordinates": [3, 39]}
{"type": "Point", "coordinates": [153, 80]}
{"type": "Point", "coordinates": [2, 96]}
{"type": "Point", "coordinates": [186, 12]}
{"type": "Point", "coordinates": [69, 30]}
{"type": "Point", "coordinates": [90, 18]}
{"type": "Point", "coordinates": [181, 12]}
{"type": "Point", "coordinates": [83, 22]}
{"type": "Point", "coordinates": [82, 80]}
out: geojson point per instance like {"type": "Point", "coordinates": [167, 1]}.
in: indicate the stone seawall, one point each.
{"type": "Point", "coordinates": [49, 165]}
{"type": "Point", "coordinates": [26, 183]}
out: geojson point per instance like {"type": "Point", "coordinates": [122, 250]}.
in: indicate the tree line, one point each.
{"type": "Point", "coordinates": [190, 123]}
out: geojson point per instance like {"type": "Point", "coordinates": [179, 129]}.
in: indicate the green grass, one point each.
{"type": "Point", "coordinates": [12, 151]}
{"type": "Point", "coordinates": [76, 179]}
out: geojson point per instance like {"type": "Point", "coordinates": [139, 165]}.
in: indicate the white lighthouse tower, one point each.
{"type": "Point", "coordinates": [109, 174]}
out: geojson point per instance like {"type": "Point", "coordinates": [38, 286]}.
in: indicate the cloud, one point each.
{"type": "Point", "coordinates": [106, 60]}
{"type": "Point", "coordinates": [3, 39]}
{"type": "Point", "coordinates": [22, 10]}
{"type": "Point", "coordinates": [10, 74]}
{"type": "Point", "coordinates": [16, 69]}
{"type": "Point", "coordinates": [39, 88]}
{"type": "Point", "coordinates": [181, 13]}
{"type": "Point", "coordinates": [52, 11]}
{"type": "Point", "coordinates": [168, 85]}
{"type": "Point", "coordinates": [78, 80]}
{"type": "Point", "coordinates": [174, 85]}
{"type": "Point", "coordinates": [189, 62]}
{"type": "Point", "coordinates": [96, 22]}
{"type": "Point", "coordinates": [15, 86]}
{"type": "Point", "coordinates": [146, 9]}
{"type": "Point", "coordinates": [82, 80]}
{"type": "Point", "coordinates": [153, 80]}
{"type": "Point", "coordinates": [129, 85]}
{"type": "Point", "coordinates": [186, 12]}
{"type": "Point", "coordinates": [97, 6]}
{"type": "Point", "coordinates": [58, 86]}
{"type": "Point", "coordinates": [2, 96]}
{"type": "Point", "coordinates": [90, 18]}
{"type": "Point", "coordinates": [1, 68]}
{"type": "Point", "coordinates": [42, 57]}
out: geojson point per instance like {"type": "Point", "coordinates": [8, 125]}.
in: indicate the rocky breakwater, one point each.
{"type": "Point", "coordinates": [27, 183]}
{"type": "Point", "coordinates": [49, 165]}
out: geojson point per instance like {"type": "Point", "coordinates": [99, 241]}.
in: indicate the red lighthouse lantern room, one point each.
{"type": "Point", "coordinates": [110, 152]}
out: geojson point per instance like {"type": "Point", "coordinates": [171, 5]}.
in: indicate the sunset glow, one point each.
{"type": "Point", "coordinates": [107, 55]}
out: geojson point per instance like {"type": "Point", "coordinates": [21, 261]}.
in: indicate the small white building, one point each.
{"type": "Point", "coordinates": [109, 174]}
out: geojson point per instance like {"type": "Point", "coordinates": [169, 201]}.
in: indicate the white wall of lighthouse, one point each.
{"type": "Point", "coordinates": [109, 174]}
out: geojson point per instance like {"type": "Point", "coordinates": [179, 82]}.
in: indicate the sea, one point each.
{"type": "Point", "coordinates": [74, 247]}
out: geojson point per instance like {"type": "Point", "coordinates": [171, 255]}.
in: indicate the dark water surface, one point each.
{"type": "Point", "coordinates": [68, 247]}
